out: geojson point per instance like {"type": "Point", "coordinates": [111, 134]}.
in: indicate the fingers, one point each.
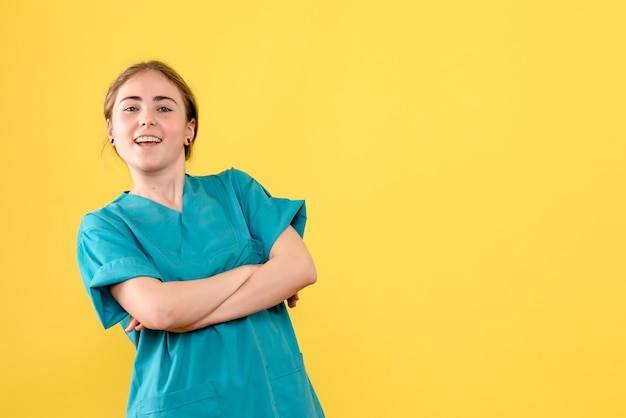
{"type": "Point", "coordinates": [293, 300]}
{"type": "Point", "coordinates": [134, 325]}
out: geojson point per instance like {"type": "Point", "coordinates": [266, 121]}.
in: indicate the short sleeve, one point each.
{"type": "Point", "coordinates": [106, 255]}
{"type": "Point", "coordinates": [267, 216]}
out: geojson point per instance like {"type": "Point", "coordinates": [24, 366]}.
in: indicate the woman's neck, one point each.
{"type": "Point", "coordinates": [165, 189]}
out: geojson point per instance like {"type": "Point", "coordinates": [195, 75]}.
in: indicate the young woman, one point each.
{"type": "Point", "coordinates": [195, 268]}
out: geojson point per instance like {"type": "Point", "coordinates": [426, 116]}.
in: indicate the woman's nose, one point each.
{"type": "Point", "coordinates": [147, 119]}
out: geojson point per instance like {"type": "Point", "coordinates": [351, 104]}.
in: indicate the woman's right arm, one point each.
{"type": "Point", "coordinates": [168, 305]}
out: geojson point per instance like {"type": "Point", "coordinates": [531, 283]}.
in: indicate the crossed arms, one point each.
{"type": "Point", "coordinates": [184, 306]}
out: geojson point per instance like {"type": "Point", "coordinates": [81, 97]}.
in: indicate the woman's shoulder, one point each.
{"type": "Point", "coordinates": [228, 175]}
{"type": "Point", "coordinates": [232, 179]}
{"type": "Point", "coordinates": [106, 216]}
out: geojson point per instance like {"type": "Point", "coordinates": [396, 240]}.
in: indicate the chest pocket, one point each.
{"type": "Point", "coordinates": [201, 401]}
{"type": "Point", "coordinates": [249, 251]}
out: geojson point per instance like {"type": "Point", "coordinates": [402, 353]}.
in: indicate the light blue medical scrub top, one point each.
{"type": "Point", "coordinates": [250, 367]}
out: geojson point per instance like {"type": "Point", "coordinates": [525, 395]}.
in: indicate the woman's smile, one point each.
{"type": "Point", "coordinates": [148, 140]}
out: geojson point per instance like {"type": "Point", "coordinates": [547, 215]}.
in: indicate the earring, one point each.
{"type": "Point", "coordinates": [112, 141]}
{"type": "Point", "coordinates": [188, 142]}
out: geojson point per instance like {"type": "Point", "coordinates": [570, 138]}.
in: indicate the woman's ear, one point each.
{"type": "Point", "coordinates": [191, 129]}
{"type": "Point", "coordinates": [110, 129]}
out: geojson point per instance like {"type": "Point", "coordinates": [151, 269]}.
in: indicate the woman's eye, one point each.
{"type": "Point", "coordinates": [130, 109]}
{"type": "Point", "coordinates": [164, 109]}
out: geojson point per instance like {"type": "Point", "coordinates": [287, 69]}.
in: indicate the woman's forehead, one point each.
{"type": "Point", "coordinates": [148, 83]}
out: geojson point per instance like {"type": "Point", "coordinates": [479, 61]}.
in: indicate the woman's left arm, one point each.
{"type": "Point", "coordinates": [289, 269]}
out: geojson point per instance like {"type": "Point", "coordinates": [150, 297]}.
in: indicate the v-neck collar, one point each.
{"type": "Point", "coordinates": [127, 195]}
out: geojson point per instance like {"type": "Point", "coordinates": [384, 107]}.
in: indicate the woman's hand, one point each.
{"type": "Point", "coordinates": [134, 325]}
{"type": "Point", "coordinates": [293, 300]}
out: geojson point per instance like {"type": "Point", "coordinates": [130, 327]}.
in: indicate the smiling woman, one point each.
{"type": "Point", "coordinates": [196, 269]}
{"type": "Point", "coordinates": [188, 100]}
{"type": "Point", "coordinates": [149, 128]}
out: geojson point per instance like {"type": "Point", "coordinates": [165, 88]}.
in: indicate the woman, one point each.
{"type": "Point", "coordinates": [195, 268]}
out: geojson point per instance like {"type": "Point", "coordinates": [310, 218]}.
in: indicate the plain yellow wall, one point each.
{"type": "Point", "coordinates": [463, 163]}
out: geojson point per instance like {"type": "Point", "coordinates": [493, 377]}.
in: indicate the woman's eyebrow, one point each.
{"type": "Point", "coordinates": [160, 98]}
{"type": "Point", "coordinates": [154, 99]}
{"type": "Point", "coordinates": [131, 98]}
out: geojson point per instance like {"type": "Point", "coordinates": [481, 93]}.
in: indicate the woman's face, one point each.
{"type": "Point", "coordinates": [149, 125]}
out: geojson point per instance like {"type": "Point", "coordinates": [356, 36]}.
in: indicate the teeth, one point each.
{"type": "Point", "coordinates": [143, 139]}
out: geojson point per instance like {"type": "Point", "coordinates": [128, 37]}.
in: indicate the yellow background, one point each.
{"type": "Point", "coordinates": [463, 164]}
